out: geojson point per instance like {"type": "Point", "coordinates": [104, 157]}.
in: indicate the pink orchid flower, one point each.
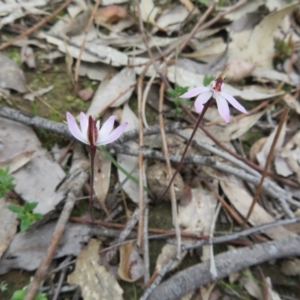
{"type": "Point", "coordinates": [90, 132]}
{"type": "Point", "coordinates": [215, 91]}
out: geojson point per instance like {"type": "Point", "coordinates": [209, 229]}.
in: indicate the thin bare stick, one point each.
{"type": "Point", "coordinates": [185, 40]}
{"type": "Point", "coordinates": [141, 165]}
{"type": "Point", "coordinates": [80, 170]}
{"type": "Point", "coordinates": [219, 259]}
{"type": "Point", "coordinates": [269, 187]}
{"type": "Point", "coordinates": [144, 36]}
{"type": "Point", "coordinates": [36, 26]}
{"type": "Point", "coordinates": [269, 158]}
{"type": "Point", "coordinates": [166, 153]}
{"type": "Point", "coordinates": [223, 202]}
{"type": "Point", "coordinates": [196, 27]}
{"type": "Point", "coordinates": [127, 228]}
{"type": "Point", "coordinates": [146, 255]}
{"type": "Point", "coordinates": [213, 269]}
{"type": "Point", "coordinates": [170, 232]}
{"type": "Point", "coordinates": [90, 23]}
{"type": "Point", "coordinates": [145, 95]}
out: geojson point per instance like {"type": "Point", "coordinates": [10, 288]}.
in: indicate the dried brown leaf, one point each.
{"type": "Point", "coordinates": [148, 11]}
{"type": "Point", "coordinates": [131, 266]}
{"type": "Point", "coordinates": [17, 161]}
{"type": "Point", "coordinates": [234, 129]}
{"type": "Point", "coordinates": [127, 162]}
{"type": "Point", "coordinates": [291, 267]}
{"type": "Point", "coordinates": [257, 45]}
{"type": "Point", "coordinates": [110, 14]}
{"type": "Point", "coordinates": [95, 282]}
{"type": "Point", "coordinates": [263, 154]}
{"type": "Point", "coordinates": [113, 92]}
{"type": "Point", "coordinates": [291, 154]}
{"type": "Point", "coordinates": [292, 102]}
{"type": "Point", "coordinates": [158, 180]}
{"type": "Point", "coordinates": [256, 148]}
{"type": "Point", "coordinates": [102, 172]}
{"type": "Point", "coordinates": [251, 285]}
{"type": "Point", "coordinates": [11, 76]}
{"type": "Point", "coordinates": [238, 69]}
{"type": "Point", "coordinates": [27, 56]}
{"type": "Point", "coordinates": [38, 179]}
{"type": "Point", "coordinates": [78, 24]}
{"type": "Point", "coordinates": [241, 200]}
{"type": "Point", "coordinates": [86, 94]}
{"type": "Point", "coordinates": [168, 252]}
{"type": "Point", "coordinates": [27, 250]}
{"type": "Point", "coordinates": [9, 224]}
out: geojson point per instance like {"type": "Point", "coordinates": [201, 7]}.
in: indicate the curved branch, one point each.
{"type": "Point", "coordinates": [226, 263]}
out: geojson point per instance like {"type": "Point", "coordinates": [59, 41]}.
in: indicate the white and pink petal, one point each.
{"type": "Point", "coordinates": [234, 102]}
{"type": "Point", "coordinates": [106, 128]}
{"type": "Point", "coordinates": [223, 107]}
{"type": "Point", "coordinates": [84, 123]}
{"type": "Point", "coordinates": [74, 129]}
{"type": "Point", "coordinates": [112, 136]}
{"type": "Point", "coordinates": [194, 92]}
{"type": "Point", "coordinates": [201, 100]}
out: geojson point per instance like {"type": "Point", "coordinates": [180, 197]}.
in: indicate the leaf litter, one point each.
{"type": "Point", "coordinates": [258, 42]}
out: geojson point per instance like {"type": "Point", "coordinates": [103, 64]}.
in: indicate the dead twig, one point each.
{"type": "Point", "coordinates": [231, 211]}
{"type": "Point", "coordinates": [62, 129]}
{"type": "Point", "coordinates": [62, 277]}
{"type": "Point", "coordinates": [278, 193]}
{"type": "Point", "coordinates": [195, 29]}
{"type": "Point", "coordinates": [269, 158]}
{"type": "Point", "coordinates": [165, 232]}
{"type": "Point", "coordinates": [32, 120]}
{"type": "Point", "coordinates": [127, 228]}
{"type": "Point", "coordinates": [187, 280]}
{"type": "Point", "coordinates": [81, 177]}
{"type": "Point", "coordinates": [90, 23]}
{"type": "Point", "coordinates": [166, 153]}
{"type": "Point", "coordinates": [141, 164]}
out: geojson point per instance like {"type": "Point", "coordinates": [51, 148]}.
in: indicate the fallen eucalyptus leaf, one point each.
{"type": "Point", "coordinates": [27, 250]}
{"type": "Point", "coordinates": [95, 282]}
{"type": "Point", "coordinates": [11, 76]}
{"type": "Point", "coordinates": [131, 266]}
{"type": "Point", "coordinates": [9, 224]}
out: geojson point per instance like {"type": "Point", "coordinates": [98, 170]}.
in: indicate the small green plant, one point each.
{"type": "Point", "coordinates": [174, 96]}
{"type": "Point", "coordinates": [204, 2]}
{"type": "Point", "coordinates": [207, 80]}
{"type": "Point", "coordinates": [14, 54]}
{"type": "Point", "coordinates": [3, 286]}
{"type": "Point", "coordinates": [20, 295]}
{"type": "Point", "coordinates": [283, 50]}
{"type": "Point", "coordinates": [25, 214]}
{"type": "Point", "coordinates": [6, 182]}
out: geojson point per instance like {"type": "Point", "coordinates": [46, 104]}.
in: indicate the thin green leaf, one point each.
{"type": "Point", "coordinates": [18, 295]}
{"type": "Point", "coordinates": [15, 208]}
{"type": "Point", "coordinates": [116, 164]}
{"type": "Point", "coordinates": [25, 224]}
{"type": "Point", "coordinates": [30, 206]}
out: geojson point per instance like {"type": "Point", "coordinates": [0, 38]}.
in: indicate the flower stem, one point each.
{"type": "Point", "coordinates": [92, 155]}
{"type": "Point", "coordinates": [206, 105]}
